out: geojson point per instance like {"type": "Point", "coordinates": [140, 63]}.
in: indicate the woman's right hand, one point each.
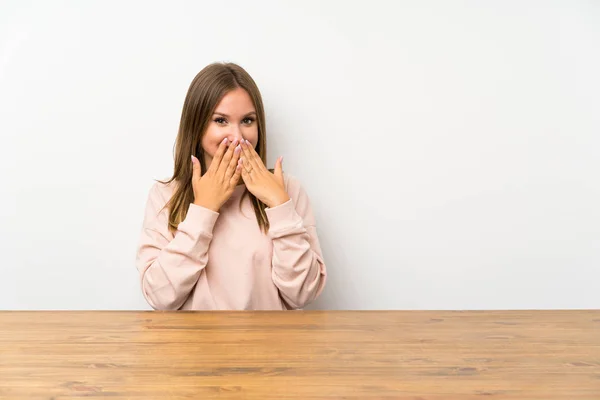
{"type": "Point", "coordinates": [216, 186]}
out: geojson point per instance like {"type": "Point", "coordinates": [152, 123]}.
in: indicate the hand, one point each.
{"type": "Point", "coordinates": [214, 188]}
{"type": "Point", "coordinates": [266, 186]}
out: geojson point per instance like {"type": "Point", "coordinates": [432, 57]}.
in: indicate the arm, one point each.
{"type": "Point", "coordinates": [170, 265]}
{"type": "Point", "coordinates": [298, 269]}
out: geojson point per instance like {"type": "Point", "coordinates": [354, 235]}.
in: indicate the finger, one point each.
{"type": "Point", "coordinates": [214, 165]}
{"type": "Point", "coordinates": [226, 158]}
{"type": "Point", "coordinates": [233, 163]}
{"type": "Point", "coordinates": [196, 168]}
{"type": "Point", "coordinates": [236, 175]}
{"type": "Point", "coordinates": [244, 166]}
{"type": "Point", "coordinates": [255, 157]}
{"type": "Point", "coordinates": [279, 171]}
{"type": "Point", "coordinates": [251, 158]}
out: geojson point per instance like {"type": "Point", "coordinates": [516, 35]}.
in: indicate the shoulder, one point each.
{"type": "Point", "coordinates": [299, 197]}
{"type": "Point", "coordinates": [293, 186]}
{"type": "Point", "coordinates": [160, 193]}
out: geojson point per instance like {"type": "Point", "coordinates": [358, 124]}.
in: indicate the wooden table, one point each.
{"type": "Point", "coordinates": [412, 355]}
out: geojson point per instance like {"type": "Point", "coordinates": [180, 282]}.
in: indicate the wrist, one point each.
{"type": "Point", "coordinates": [208, 206]}
{"type": "Point", "coordinates": [278, 200]}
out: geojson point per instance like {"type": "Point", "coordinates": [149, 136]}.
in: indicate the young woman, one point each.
{"type": "Point", "coordinates": [226, 233]}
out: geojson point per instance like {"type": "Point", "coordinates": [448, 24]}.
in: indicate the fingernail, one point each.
{"type": "Point", "coordinates": [238, 149]}
{"type": "Point", "coordinates": [225, 140]}
{"type": "Point", "coordinates": [248, 142]}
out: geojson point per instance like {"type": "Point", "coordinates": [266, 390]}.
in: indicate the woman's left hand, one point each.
{"type": "Point", "coordinates": [266, 186]}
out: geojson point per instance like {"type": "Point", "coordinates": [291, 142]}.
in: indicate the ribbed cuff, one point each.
{"type": "Point", "coordinates": [283, 217]}
{"type": "Point", "coordinates": [199, 218]}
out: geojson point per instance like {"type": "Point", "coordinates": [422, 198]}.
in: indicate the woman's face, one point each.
{"type": "Point", "coordinates": [234, 118]}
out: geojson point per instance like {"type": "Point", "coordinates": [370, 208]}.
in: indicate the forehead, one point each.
{"type": "Point", "coordinates": [236, 101]}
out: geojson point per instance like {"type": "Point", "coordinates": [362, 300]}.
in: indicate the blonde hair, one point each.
{"type": "Point", "coordinates": [207, 89]}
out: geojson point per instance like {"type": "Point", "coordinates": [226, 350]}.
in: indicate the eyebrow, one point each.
{"type": "Point", "coordinates": [227, 116]}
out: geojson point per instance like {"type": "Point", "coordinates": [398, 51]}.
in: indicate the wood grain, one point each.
{"type": "Point", "coordinates": [404, 355]}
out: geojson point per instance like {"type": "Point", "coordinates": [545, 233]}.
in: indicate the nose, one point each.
{"type": "Point", "coordinates": [235, 133]}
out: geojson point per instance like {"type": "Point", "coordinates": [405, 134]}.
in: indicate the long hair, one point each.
{"type": "Point", "coordinates": [207, 89]}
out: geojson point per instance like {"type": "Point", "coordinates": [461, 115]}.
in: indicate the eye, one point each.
{"type": "Point", "coordinates": [220, 121]}
{"type": "Point", "coordinates": [248, 121]}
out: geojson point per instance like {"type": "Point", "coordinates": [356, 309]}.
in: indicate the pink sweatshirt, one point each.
{"type": "Point", "coordinates": [223, 261]}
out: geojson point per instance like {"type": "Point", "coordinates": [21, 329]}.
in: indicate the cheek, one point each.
{"type": "Point", "coordinates": [251, 134]}
{"type": "Point", "coordinates": [211, 140]}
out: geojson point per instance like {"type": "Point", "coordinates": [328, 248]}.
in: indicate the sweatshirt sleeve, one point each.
{"type": "Point", "coordinates": [298, 271]}
{"type": "Point", "coordinates": [170, 264]}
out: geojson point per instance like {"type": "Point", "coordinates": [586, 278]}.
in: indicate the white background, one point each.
{"type": "Point", "coordinates": [450, 149]}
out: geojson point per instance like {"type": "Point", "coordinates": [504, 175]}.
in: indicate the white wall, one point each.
{"type": "Point", "coordinates": [451, 149]}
